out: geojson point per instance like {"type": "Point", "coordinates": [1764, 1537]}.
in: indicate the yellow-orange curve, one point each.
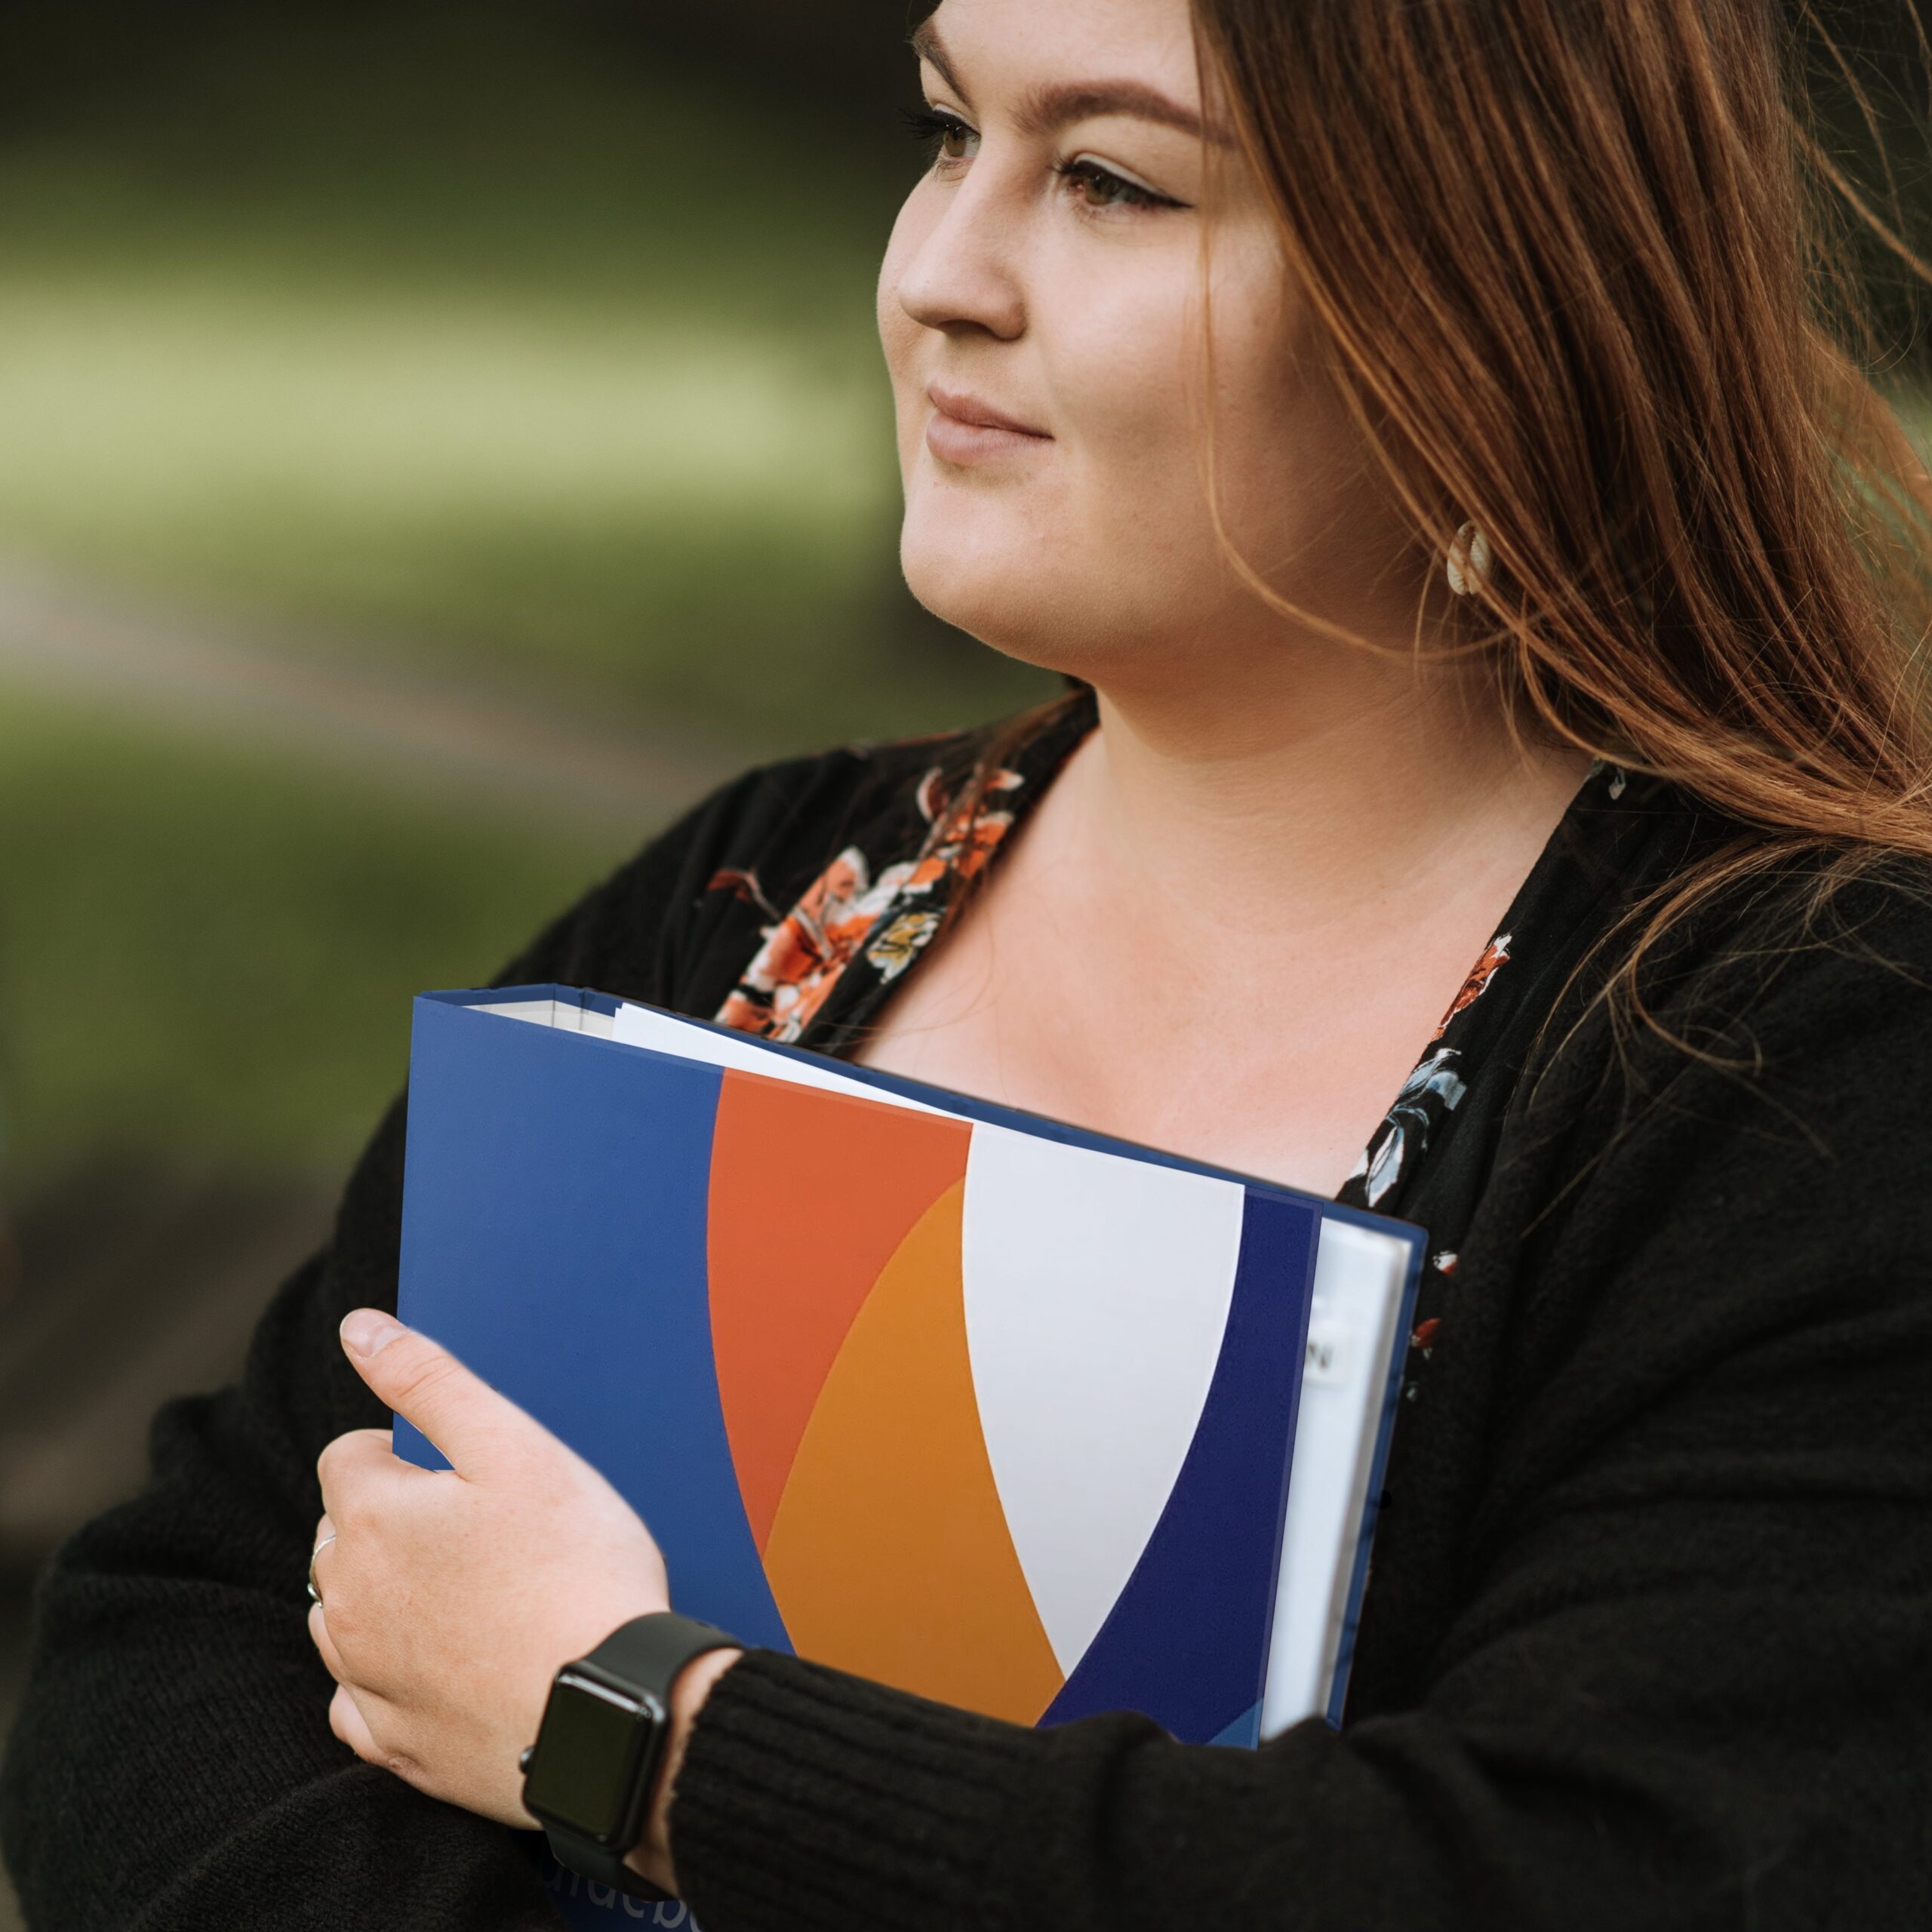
{"type": "Point", "coordinates": [889, 1555]}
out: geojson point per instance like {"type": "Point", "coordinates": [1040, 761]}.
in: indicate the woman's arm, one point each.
{"type": "Point", "coordinates": [172, 1764]}
{"type": "Point", "coordinates": [1686, 1681]}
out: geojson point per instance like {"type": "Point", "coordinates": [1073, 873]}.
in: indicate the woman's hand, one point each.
{"type": "Point", "coordinates": [450, 1597]}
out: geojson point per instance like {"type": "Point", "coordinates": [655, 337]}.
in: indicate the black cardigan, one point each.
{"type": "Point", "coordinates": [1648, 1640]}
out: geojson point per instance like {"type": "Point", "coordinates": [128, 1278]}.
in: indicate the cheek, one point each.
{"type": "Point", "coordinates": [1108, 539]}
{"type": "Point", "coordinates": [1128, 377]}
{"type": "Point", "coordinates": [1282, 438]}
{"type": "Point", "coordinates": [1151, 400]}
{"type": "Point", "coordinates": [1136, 458]}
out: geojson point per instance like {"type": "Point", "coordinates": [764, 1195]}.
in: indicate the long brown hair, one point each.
{"type": "Point", "coordinates": [1586, 269]}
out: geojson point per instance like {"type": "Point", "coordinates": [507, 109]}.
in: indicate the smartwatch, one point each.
{"type": "Point", "coordinates": [588, 1778]}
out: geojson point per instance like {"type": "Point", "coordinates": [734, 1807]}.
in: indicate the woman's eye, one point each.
{"type": "Point", "coordinates": [1094, 186]}
{"type": "Point", "coordinates": [945, 136]}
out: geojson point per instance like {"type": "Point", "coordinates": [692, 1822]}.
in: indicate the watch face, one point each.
{"type": "Point", "coordinates": [593, 1745]}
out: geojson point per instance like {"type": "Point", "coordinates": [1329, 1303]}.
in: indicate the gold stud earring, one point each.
{"type": "Point", "coordinates": [1468, 567]}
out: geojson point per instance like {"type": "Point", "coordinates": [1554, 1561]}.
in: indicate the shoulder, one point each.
{"type": "Point", "coordinates": [785, 815]}
{"type": "Point", "coordinates": [740, 856]}
{"type": "Point", "coordinates": [1814, 961]}
{"type": "Point", "coordinates": [1763, 1095]}
{"type": "Point", "coordinates": [1720, 1204]}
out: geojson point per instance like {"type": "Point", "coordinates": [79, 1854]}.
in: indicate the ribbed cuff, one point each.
{"type": "Point", "coordinates": [808, 1798]}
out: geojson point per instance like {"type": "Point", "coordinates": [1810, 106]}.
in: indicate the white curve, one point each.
{"type": "Point", "coordinates": [1096, 1294]}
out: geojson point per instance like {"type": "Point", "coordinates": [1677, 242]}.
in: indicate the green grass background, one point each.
{"type": "Point", "coordinates": [208, 954]}
{"type": "Point", "coordinates": [436, 333]}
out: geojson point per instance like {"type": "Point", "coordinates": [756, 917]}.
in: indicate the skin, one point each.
{"type": "Point", "coordinates": [1268, 825]}
{"type": "Point", "coordinates": [450, 1597]}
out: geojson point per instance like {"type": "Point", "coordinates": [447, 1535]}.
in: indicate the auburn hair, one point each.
{"type": "Point", "coordinates": [1586, 270]}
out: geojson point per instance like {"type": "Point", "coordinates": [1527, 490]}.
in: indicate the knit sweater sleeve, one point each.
{"type": "Point", "coordinates": [1679, 1674]}
{"type": "Point", "coordinates": [172, 1765]}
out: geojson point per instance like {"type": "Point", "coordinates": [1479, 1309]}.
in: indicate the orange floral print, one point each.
{"type": "Point", "coordinates": [1495, 955]}
{"type": "Point", "coordinates": [845, 912]}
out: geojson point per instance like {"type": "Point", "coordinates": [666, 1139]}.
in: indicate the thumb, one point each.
{"type": "Point", "coordinates": [466, 1419]}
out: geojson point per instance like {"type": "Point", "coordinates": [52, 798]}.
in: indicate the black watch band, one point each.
{"type": "Point", "coordinates": [589, 1860]}
{"type": "Point", "coordinates": [644, 1656]}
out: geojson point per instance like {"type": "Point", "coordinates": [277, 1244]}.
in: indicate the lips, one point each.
{"type": "Point", "coordinates": [978, 414]}
{"type": "Point", "coordinates": [965, 429]}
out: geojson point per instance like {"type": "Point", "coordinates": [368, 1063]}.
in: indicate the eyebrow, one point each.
{"type": "Point", "coordinates": [1045, 109]}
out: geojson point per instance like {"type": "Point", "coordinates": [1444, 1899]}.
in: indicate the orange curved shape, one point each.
{"type": "Point", "coordinates": [889, 1555]}
{"type": "Point", "coordinates": [810, 1194]}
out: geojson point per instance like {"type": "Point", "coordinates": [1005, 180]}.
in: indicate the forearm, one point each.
{"type": "Point", "coordinates": [1539, 1792]}
{"type": "Point", "coordinates": [172, 1764]}
{"type": "Point", "coordinates": [172, 1768]}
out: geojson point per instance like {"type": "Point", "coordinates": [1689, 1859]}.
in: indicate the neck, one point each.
{"type": "Point", "coordinates": [1297, 794]}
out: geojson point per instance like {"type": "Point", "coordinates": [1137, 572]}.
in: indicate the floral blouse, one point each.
{"type": "Point", "coordinates": [836, 953]}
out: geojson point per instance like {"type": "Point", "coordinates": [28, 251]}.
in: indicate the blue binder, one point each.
{"type": "Point", "coordinates": [961, 1398]}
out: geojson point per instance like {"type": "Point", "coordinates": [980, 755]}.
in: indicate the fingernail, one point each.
{"type": "Point", "coordinates": [368, 1331]}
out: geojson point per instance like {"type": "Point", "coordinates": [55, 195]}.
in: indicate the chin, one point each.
{"type": "Point", "coordinates": [1082, 628]}
{"type": "Point", "coordinates": [1000, 607]}
{"type": "Point", "coordinates": [1015, 592]}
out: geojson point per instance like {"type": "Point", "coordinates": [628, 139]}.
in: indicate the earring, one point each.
{"type": "Point", "coordinates": [1468, 567]}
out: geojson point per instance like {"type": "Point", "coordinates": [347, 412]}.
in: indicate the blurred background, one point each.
{"type": "Point", "coordinates": [437, 441]}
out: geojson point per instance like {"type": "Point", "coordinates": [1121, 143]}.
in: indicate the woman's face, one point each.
{"type": "Point", "coordinates": [1044, 305]}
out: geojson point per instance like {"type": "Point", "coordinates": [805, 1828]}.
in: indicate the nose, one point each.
{"type": "Point", "coordinates": [965, 273]}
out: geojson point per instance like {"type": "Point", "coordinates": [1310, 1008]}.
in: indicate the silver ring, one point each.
{"type": "Point", "coordinates": [314, 1595]}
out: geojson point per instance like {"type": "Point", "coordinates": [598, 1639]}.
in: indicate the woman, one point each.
{"type": "Point", "coordinates": [1414, 430]}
